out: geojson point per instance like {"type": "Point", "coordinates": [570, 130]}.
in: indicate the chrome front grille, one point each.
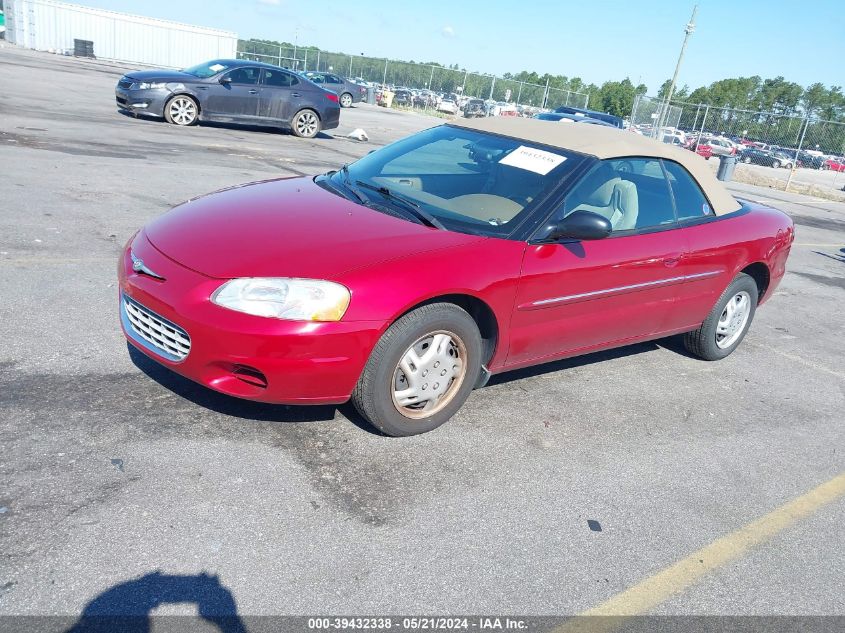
{"type": "Point", "coordinates": [154, 332]}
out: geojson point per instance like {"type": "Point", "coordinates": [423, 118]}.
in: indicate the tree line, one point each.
{"type": "Point", "coordinates": [776, 96]}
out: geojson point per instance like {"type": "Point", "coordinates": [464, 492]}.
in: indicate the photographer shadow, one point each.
{"type": "Point", "coordinates": [127, 607]}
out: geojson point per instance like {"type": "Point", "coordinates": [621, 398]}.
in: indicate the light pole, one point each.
{"type": "Point", "coordinates": [689, 29]}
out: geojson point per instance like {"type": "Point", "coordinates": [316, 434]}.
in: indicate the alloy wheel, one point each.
{"type": "Point", "coordinates": [307, 124]}
{"type": "Point", "coordinates": [183, 111]}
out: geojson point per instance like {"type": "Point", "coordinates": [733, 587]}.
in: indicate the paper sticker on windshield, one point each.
{"type": "Point", "coordinates": [216, 67]}
{"type": "Point", "coordinates": [535, 160]}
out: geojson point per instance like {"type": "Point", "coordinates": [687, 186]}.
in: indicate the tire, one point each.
{"type": "Point", "coordinates": [182, 110]}
{"type": "Point", "coordinates": [776, 164]}
{"type": "Point", "coordinates": [305, 124]}
{"type": "Point", "coordinates": [746, 160]}
{"type": "Point", "coordinates": [378, 394]}
{"type": "Point", "coordinates": [345, 100]}
{"type": "Point", "coordinates": [825, 167]}
{"type": "Point", "coordinates": [705, 342]}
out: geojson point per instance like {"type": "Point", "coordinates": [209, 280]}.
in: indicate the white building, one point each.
{"type": "Point", "coordinates": [48, 25]}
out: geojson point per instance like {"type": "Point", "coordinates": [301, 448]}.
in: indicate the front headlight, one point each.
{"type": "Point", "coordinates": [144, 85]}
{"type": "Point", "coordinates": [282, 298]}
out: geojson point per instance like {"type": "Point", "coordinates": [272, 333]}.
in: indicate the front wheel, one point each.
{"type": "Point", "coordinates": [776, 164]}
{"type": "Point", "coordinates": [306, 124]}
{"type": "Point", "coordinates": [181, 110]}
{"type": "Point", "coordinates": [726, 325]}
{"type": "Point", "coordinates": [746, 160]}
{"type": "Point", "coordinates": [346, 100]}
{"type": "Point", "coordinates": [421, 371]}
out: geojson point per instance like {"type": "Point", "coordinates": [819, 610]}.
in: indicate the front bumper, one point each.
{"type": "Point", "coordinates": [262, 359]}
{"type": "Point", "coordinates": [142, 101]}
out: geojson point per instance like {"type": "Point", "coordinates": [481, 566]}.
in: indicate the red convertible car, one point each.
{"type": "Point", "coordinates": [405, 279]}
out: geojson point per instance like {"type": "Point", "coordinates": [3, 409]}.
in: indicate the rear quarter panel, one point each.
{"type": "Point", "coordinates": [757, 234]}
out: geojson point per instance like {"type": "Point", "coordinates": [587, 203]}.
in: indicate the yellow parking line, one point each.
{"type": "Point", "coordinates": [644, 596]}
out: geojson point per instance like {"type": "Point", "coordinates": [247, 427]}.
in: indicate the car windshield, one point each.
{"type": "Point", "coordinates": [208, 69]}
{"type": "Point", "coordinates": [471, 182]}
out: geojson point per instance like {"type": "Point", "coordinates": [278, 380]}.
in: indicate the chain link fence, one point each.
{"type": "Point", "coordinates": [781, 150]}
{"type": "Point", "coordinates": [419, 77]}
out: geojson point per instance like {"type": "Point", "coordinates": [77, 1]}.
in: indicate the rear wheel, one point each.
{"type": "Point", "coordinates": [776, 164]}
{"type": "Point", "coordinates": [346, 100]}
{"type": "Point", "coordinates": [726, 325]}
{"type": "Point", "coordinates": [306, 124]}
{"type": "Point", "coordinates": [181, 110]}
{"type": "Point", "coordinates": [421, 371]}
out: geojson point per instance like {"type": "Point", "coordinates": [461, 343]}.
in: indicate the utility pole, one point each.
{"type": "Point", "coordinates": [384, 79]}
{"type": "Point", "coordinates": [689, 29]}
{"type": "Point", "coordinates": [492, 85]}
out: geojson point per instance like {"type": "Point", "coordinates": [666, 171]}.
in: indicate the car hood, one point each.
{"type": "Point", "coordinates": [287, 228]}
{"type": "Point", "coordinates": [160, 75]}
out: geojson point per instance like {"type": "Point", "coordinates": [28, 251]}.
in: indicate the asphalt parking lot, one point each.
{"type": "Point", "coordinates": [552, 491]}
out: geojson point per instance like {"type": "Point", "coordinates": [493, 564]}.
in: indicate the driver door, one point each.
{"type": "Point", "coordinates": [578, 295]}
{"type": "Point", "coordinates": [235, 96]}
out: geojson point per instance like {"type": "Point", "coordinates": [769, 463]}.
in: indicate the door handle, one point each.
{"type": "Point", "coordinates": [253, 92]}
{"type": "Point", "coordinates": [295, 94]}
{"type": "Point", "coordinates": [670, 261]}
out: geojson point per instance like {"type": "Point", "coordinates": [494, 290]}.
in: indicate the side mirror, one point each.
{"type": "Point", "coordinates": [581, 225]}
{"type": "Point", "coordinates": [225, 80]}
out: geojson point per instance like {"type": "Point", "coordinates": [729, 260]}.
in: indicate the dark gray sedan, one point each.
{"type": "Point", "coordinates": [231, 91]}
{"type": "Point", "coordinates": [347, 91]}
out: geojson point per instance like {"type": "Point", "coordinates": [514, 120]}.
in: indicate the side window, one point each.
{"type": "Point", "coordinates": [632, 193]}
{"type": "Point", "coordinates": [333, 80]}
{"type": "Point", "coordinates": [689, 199]}
{"type": "Point", "coordinates": [247, 75]}
{"type": "Point", "coordinates": [279, 78]}
{"type": "Point", "coordinates": [317, 79]}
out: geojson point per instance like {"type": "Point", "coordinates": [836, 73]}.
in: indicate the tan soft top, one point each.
{"type": "Point", "coordinates": [606, 142]}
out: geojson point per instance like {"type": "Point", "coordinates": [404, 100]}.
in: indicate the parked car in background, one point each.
{"type": "Point", "coordinates": [615, 121]}
{"type": "Point", "coordinates": [403, 97]}
{"type": "Point", "coordinates": [448, 106]}
{"type": "Point", "coordinates": [720, 146]}
{"type": "Point", "coordinates": [348, 92]}
{"type": "Point", "coordinates": [786, 158]}
{"type": "Point", "coordinates": [232, 91]}
{"type": "Point", "coordinates": [570, 118]}
{"type": "Point", "coordinates": [835, 163]}
{"type": "Point", "coordinates": [598, 241]}
{"type": "Point", "coordinates": [810, 161]}
{"type": "Point", "coordinates": [752, 155]}
{"type": "Point", "coordinates": [474, 108]}
{"type": "Point", "coordinates": [702, 149]}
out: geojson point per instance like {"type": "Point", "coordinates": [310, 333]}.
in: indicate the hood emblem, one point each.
{"type": "Point", "coordinates": [139, 266]}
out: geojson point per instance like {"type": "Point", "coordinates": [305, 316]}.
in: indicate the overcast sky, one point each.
{"type": "Point", "coordinates": [597, 40]}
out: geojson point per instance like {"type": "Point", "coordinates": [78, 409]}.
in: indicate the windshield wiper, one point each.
{"type": "Point", "coordinates": [348, 184]}
{"type": "Point", "coordinates": [409, 205]}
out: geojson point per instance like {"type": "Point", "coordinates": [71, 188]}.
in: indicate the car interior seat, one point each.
{"type": "Point", "coordinates": [611, 197]}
